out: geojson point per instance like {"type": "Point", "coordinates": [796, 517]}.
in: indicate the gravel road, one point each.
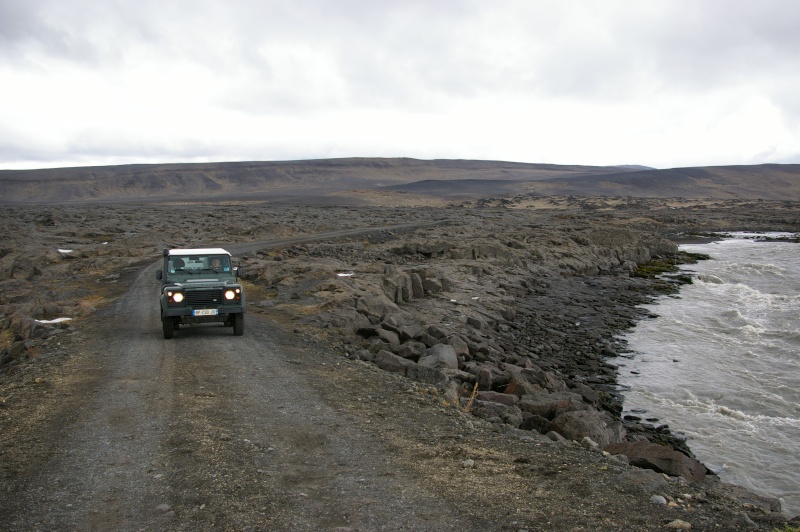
{"type": "Point", "coordinates": [207, 430]}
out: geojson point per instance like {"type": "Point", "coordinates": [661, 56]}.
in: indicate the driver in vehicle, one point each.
{"type": "Point", "coordinates": [220, 264]}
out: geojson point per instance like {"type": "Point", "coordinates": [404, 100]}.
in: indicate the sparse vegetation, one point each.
{"type": "Point", "coordinates": [6, 339]}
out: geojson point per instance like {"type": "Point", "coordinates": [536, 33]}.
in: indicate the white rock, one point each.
{"type": "Point", "coordinates": [679, 525]}
{"type": "Point", "coordinates": [658, 499]}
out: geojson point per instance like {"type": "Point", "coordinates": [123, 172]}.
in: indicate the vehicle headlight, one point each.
{"type": "Point", "coordinates": [174, 297]}
{"type": "Point", "coordinates": [230, 295]}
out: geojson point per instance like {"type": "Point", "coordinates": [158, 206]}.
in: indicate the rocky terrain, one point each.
{"type": "Point", "coordinates": [496, 314]}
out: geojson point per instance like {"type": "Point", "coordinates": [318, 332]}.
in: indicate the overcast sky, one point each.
{"type": "Point", "coordinates": [662, 83]}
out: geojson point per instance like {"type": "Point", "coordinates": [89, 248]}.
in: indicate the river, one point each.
{"type": "Point", "coordinates": [721, 364]}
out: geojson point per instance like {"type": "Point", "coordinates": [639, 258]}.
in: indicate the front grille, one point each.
{"type": "Point", "coordinates": [209, 298]}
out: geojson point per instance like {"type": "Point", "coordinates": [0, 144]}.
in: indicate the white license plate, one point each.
{"type": "Point", "coordinates": [205, 312]}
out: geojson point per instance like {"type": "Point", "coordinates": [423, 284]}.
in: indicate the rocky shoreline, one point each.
{"type": "Point", "coordinates": [496, 328]}
{"type": "Point", "coordinates": [509, 314]}
{"type": "Point", "coordinates": [517, 330]}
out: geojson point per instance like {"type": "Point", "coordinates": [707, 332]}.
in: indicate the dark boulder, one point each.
{"type": "Point", "coordinates": [660, 458]}
{"type": "Point", "coordinates": [551, 405]}
{"type": "Point", "coordinates": [600, 426]}
{"type": "Point", "coordinates": [390, 362]}
{"type": "Point", "coordinates": [439, 356]}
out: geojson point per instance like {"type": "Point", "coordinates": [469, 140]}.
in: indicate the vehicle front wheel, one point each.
{"type": "Point", "coordinates": [238, 324]}
{"type": "Point", "coordinates": [169, 327]}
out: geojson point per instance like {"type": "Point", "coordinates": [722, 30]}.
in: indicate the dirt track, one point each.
{"type": "Point", "coordinates": [275, 431]}
{"type": "Point", "coordinates": [228, 432]}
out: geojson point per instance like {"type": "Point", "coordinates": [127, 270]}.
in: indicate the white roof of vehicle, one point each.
{"type": "Point", "coordinates": [199, 251]}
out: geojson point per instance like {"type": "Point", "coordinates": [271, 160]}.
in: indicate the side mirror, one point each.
{"type": "Point", "coordinates": [159, 275]}
{"type": "Point", "coordinates": [239, 271]}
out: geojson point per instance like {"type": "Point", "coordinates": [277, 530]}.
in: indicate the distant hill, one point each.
{"type": "Point", "coordinates": [766, 181]}
{"type": "Point", "coordinates": [634, 167]}
{"type": "Point", "coordinates": [326, 179]}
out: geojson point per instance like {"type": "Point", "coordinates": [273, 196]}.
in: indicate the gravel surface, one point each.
{"type": "Point", "coordinates": [107, 426]}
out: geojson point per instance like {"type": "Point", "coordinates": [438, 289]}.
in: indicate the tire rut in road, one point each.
{"type": "Point", "coordinates": [102, 471]}
{"type": "Point", "coordinates": [254, 444]}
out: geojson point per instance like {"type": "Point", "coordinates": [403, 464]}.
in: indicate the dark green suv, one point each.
{"type": "Point", "coordinates": [199, 286]}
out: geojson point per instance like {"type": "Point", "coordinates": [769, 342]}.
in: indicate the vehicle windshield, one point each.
{"type": "Point", "coordinates": [197, 264]}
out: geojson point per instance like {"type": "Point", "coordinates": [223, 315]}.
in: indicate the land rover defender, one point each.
{"type": "Point", "coordinates": [199, 286]}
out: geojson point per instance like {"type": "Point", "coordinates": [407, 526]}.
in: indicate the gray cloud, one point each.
{"type": "Point", "coordinates": [201, 72]}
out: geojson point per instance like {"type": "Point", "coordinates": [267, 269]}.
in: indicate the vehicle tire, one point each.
{"type": "Point", "coordinates": [169, 327]}
{"type": "Point", "coordinates": [238, 324]}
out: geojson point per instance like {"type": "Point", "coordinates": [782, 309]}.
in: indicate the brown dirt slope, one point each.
{"type": "Point", "coordinates": [334, 180]}
{"type": "Point", "coordinates": [766, 181]}
{"type": "Point", "coordinates": [264, 180]}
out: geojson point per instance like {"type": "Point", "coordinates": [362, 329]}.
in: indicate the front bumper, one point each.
{"type": "Point", "coordinates": [187, 314]}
